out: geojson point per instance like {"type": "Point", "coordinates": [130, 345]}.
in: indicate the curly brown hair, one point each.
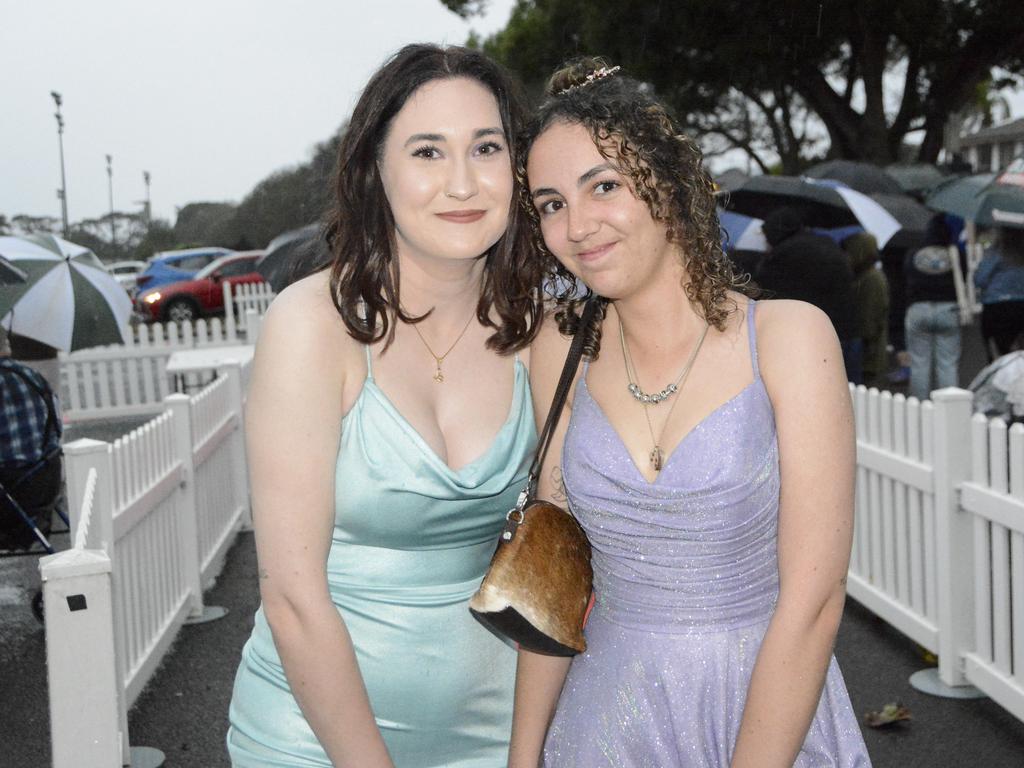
{"type": "Point", "coordinates": [360, 230]}
{"type": "Point", "coordinates": [641, 138]}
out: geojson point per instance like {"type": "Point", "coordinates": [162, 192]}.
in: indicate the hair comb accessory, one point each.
{"type": "Point", "coordinates": [597, 74]}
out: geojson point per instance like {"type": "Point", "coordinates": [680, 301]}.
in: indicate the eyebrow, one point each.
{"type": "Point", "coordinates": [437, 137]}
{"type": "Point", "coordinates": [542, 191]}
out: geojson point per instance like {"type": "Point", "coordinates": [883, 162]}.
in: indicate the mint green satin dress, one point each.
{"type": "Point", "coordinates": [412, 540]}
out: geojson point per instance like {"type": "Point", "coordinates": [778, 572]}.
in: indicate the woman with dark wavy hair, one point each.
{"type": "Point", "coordinates": [709, 456]}
{"type": "Point", "coordinates": [389, 427]}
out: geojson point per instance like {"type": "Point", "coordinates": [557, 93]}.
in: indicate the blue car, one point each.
{"type": "Point", "coordinates": [172, 266]}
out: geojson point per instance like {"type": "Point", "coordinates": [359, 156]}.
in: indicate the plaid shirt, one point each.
{"type": "Point", "coordinates": [23, 414]}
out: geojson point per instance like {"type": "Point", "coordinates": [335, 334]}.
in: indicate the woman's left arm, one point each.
{"type": "Point", "coordinates": [802, 368]}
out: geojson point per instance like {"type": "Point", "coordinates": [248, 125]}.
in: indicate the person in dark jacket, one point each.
{"type": "Point", "coordinates": [810, 267]}
{"type": "Point", "coordinates": [933, 313]}
{"type": "Point", "coordinates": [871, 294]}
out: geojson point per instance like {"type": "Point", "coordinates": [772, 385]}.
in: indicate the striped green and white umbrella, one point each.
{"type": "Point", "coordinates": [68, 299]}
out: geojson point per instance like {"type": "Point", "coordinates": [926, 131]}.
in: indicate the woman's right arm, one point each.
{"type": "Point", "coordinates": [539, 678]}
{"type": "Point", "coordinates": [293, 425]}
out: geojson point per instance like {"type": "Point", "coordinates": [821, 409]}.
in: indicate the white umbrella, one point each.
{"type": "Point", "coordinates": [68, 300]}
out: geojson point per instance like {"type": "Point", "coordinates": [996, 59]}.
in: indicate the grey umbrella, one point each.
{"type": "Point", "coordinates": [916, 178]}
{"type": "Point", "coordinates": [958, 195]}
{"type": "Point", "coordinates": [864, 177]}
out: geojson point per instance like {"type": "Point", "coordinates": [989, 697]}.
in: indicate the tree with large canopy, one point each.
{"type": "Point", "coordinates": [755, 74]}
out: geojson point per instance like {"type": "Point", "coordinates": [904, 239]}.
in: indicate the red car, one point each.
{"type": "Point", "coordinates": [203, 294]}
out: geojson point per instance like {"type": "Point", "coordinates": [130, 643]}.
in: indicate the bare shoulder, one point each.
{"type": "Point", "coordinates": [304, 337]}
{"type": "Point", "coordinates": [785, 326]}
{"type": "Point", "coordinates": [797, 343]}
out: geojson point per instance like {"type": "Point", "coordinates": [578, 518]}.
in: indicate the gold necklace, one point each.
{"type": "Point", "coordinates": [438, 359]}
{"type": "Point", "coordinates": [657, 456]}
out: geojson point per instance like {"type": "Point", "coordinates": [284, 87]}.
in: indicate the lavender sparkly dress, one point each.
{"type": "Point", "coordinates": [685, 578]}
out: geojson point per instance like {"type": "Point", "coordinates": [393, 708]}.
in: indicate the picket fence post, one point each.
{"type": "Point", "coordinates": [79, 457]}
{"type": "Point", "coordinates": [954, 534]}
{"type": "Point", "coordinates": [78, 607]}
{"type": "Point", "coordinates": [231, 326]}
{"type": "Point", "coordinates": [181, 418]}
{"type": "Point", "coordinates": [253, 326]}
{"type": "Point", "coordinates": [232, 371]}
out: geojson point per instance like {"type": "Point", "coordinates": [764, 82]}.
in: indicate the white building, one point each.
{"type": "Point", "coordinates": [990, 149]}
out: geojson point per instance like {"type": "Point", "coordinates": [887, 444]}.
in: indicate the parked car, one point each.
{"type": "Point", "coordinates": [125, 272]}
{"type": "Point", "coordinates": [173, 266]}
{"type": "Point", "coordinates": [203, 294]}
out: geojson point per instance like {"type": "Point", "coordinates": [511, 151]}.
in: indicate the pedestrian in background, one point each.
{"type": "Point", "coordinates": [1000, 278]}
{"type": "Point", "coordinates": [933, 314]}
{"type": "Point", "coordinates": [871, 296]}
{"type": "Point", "coordinates": [806, 266]}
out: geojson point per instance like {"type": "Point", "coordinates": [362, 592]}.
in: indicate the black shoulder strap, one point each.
{"type": "Point", "coordinates": [572, 362]}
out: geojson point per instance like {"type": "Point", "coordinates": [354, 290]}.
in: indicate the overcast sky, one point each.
{"type": "Point", "coordinates": [209, 96]}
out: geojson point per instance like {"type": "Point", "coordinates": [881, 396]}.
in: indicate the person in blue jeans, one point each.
{"type": "Point", "coordinates": [1000, 281]}
{"type": "Point", "coordinates": [932, 321]}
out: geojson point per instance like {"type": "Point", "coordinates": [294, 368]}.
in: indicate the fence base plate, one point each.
{"type": "Point", "coordinates": [210, 613]}
{"type": "Point", "coordinates": [928, 681]}
{"type": "Point", "coordinates": [146, 757]}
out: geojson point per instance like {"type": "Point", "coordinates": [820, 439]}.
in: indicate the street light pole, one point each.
{"type": "Point", "coordinates": [149, 209]}
{"type": "Point", "coordinates": [110, 193]}
{"type": "Point", "coordinates": [62, 193]}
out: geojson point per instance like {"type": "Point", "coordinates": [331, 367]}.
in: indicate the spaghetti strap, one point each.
{"type": "Point", "coordinates": [752, 334]}
{"type": "Point", "coordinates": [369, 363]}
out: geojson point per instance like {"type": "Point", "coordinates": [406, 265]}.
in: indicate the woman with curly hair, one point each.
{"type": "Point", "coordinates": [708, 454]}
{"type": "Point", "coordinates": [389, 427]}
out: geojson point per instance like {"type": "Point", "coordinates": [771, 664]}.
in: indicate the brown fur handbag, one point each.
{"type": "Point", "coordinates": [537, 589]}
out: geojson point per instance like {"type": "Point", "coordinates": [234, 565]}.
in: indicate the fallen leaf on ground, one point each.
{"type": "Point", "coordinates": [890, 714]}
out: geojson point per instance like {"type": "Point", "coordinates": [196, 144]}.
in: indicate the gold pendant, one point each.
{"type": "Point", "coordinates": [438, 376]}
{"type": "Point", "coordinates": [656, 457]}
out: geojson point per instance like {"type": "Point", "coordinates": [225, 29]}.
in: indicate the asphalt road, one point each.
{"type": "Point", "coordinates": [183, 712]}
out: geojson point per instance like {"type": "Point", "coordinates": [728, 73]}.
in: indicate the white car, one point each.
{"type": "Point", "coordinates": [125, 271]}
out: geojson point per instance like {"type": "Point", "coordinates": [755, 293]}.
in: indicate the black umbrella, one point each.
{"type": "Point", "coordinates": [912, 216]}
{"type": "Point", "coordinates": [821, 204]}
{"type": "Point", "coordinates": [293, 255]}
{"type": "Point", "coordinates": [864, 177]}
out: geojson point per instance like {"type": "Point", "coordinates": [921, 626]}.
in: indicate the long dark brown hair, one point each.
{"type": "Point", "coordinates": [360, 229]}
{"type": "Point", "coordinates": [641, 138]}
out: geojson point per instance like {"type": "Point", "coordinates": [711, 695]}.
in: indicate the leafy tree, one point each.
{"type": "Point", "coordinates": [755, 74]}
{"type": "Point", "coordinates": [23, 224]}
{"type": "Point", "coordinates": [205, 223]}
{"type": "Point", "coordinates": [159, 236]}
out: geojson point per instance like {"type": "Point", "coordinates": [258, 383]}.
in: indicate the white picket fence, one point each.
{"type": "Point", "coordinates": [160, 507]}
{"type": "Point", "coordinates": [131, 379]}
{"type": "Point", "coordinates": [939, 534]}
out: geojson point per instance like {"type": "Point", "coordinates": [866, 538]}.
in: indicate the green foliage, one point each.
{"type": "Point", "coordinates": [466, 8]}
{"type": "Point", "coordinates": [756, 74]}
{"type": "Point", "coordinates": [159, 236]}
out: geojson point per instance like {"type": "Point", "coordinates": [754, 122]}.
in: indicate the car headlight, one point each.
{"type": "Point", "coordinates": [152, 298]}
